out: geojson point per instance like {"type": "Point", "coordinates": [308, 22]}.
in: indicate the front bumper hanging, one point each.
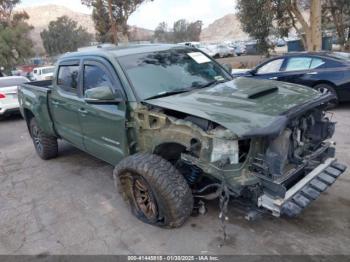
{"type": "Point", "coordinates": [305, 191]}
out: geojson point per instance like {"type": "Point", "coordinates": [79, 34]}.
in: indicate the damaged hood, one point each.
{"type": "Point", "coordinates": [247, 107]}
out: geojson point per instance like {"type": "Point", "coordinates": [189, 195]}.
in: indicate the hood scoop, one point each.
{"type": "Point", "coordinates": [252, 93]}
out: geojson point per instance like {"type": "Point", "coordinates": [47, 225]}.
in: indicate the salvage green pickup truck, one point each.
{"type": "Point", "coordinates": [179, 129]}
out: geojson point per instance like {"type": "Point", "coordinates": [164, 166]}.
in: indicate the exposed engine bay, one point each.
{"type": "Point", "coordinates": [301, 143]}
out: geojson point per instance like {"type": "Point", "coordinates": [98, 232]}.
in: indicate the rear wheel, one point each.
{"type": "Point", "coordinates": [46, 146]}
{"type": "Point", "coordinates": [155, 190]}
{"type": "Point", "coordinates": [325, 89]}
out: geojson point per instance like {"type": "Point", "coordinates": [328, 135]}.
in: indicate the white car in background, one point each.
{"type": "Point", "coordinates": [221, 50]}
{"type": "Point", "coordinates": [8, 93]}
{"type": "Point", "coordinates": [42, 73]}
{"type": "Point", "coordinates": [199, 46]}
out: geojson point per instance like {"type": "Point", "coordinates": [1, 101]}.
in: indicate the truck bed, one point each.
{"type": "Point", "coordinates": [34, 98]}
{"type": "Point", "coordinates": [43, 83]}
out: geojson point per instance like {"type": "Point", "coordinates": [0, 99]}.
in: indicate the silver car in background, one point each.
{"type": "Point", "coordinates": [8, 93]}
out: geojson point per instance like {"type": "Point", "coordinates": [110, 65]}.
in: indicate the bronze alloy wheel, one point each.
{"type": "Point", "coordinates": [140, 195]}
{"type": "Point", "coordinates": [155, 190]}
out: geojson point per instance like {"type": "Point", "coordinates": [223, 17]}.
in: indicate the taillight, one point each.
{"type": "Point", "coordinates": [2, 95]}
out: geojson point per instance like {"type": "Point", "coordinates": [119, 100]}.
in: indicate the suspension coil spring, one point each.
{"type": "Point", "coordinates": [192, 177]}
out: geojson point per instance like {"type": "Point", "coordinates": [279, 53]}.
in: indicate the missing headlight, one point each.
{"type": "Point", "coordinates": [225, 150]}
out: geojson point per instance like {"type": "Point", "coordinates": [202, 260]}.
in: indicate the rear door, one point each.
{"type": "Point", "coordinates": [103, 124]}
{"type": "Point", "coordinates": [66, 101]}
{"type": "Point", "coordinates": [309, 70]}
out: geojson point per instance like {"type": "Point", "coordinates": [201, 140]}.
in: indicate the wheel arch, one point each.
{"type": "Point", "coordinates": [28, 116]}
{"type": "Point", "coordinates": [324, 82]}
{"type": "Point", "coordinates": [169, 150]}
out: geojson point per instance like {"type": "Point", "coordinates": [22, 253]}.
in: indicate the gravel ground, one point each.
{"type": "Point", "coordinates": [68, 205]}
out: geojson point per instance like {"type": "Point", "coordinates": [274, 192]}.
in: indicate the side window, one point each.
{"type": "Point", "coordinates": [316, 62]}
{"type": "Point", "coordinates": [68, 78]}
{"type": "Point", "coordinates": [95, 76]}
{"type": "Point", "coordinates": [271, 67]}
{"type": "Point", "coordinates": [298, 63]}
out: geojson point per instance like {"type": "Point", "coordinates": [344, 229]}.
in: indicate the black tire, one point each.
{"type": "Point", "coordinates": [46, 146]}
{"type": "Point", "coordinates": [324, 88]}
{"type": "Point", "coordinates": [166, 191]}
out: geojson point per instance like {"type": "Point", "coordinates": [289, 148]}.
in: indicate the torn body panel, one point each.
{"type": "Point", "coordinates": [157, 130]}
{"type": "Point", "coordinates": [253, 166]}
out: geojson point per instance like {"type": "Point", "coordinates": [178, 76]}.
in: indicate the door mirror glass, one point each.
{"type": "Point", "coordinates": [99, 93]}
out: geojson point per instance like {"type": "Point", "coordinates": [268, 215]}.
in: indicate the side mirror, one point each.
{"type": "Point", "coordinates": [100, 94]}
{"type": "Point", "coordinates": [252, 72]}
{"type": "Point", "coordinates": [228, 67]}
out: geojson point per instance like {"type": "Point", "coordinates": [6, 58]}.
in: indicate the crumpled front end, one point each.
{"type": "Point", "coordinates": [281, 166]}
{"type": "Point", "coordinates": [298, 165]}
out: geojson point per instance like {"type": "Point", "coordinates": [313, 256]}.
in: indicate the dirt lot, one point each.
{"type": "Point", "coordinates": [69, 206]}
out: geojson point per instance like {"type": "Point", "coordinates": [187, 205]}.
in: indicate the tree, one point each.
{"type": "Point", "coordinates": [6, 9]}
{"type": "Point", "coordinates": [15, 43]}
{"type": "Point", "coordinates": [64, 35]}
{"type": "Point", "coordinates": [285, 14]}
{"type": "Point", "coordinates": [194, 30]}
{"type": "Point", "coordinates": [337, 13]}
{"type": "Point", "coordinates": [102, 22]}
{"type": "Point", "coordinates": [256, 19]}
{"type": "Point", "coordinates": [119, 12]}
{"type": "Point", "coordinates": [162, 34]}
{"type": "Point", "coordinates": [182, 31]}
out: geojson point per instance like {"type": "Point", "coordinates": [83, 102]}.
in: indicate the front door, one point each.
{"type": "Point", "coordinates": [65, 103]}
{"type": "Point", "coordinates": [270, 70]}
{"type": "Point", "coordinates": [103, 124]}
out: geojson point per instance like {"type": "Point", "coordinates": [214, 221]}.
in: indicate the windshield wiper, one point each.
{"type": "Point", "coordinates": [214, 82]}
{"type": "Point", "coordinates": [168, 93]}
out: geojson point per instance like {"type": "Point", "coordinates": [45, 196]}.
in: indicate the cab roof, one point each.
{"type": "Point", "coordinates": [119, 51]}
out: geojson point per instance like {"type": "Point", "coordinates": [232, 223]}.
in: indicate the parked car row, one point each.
{"type": "Point", "coordinates": [215, 50]}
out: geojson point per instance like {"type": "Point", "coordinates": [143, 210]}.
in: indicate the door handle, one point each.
{"type": "Point", "coordinates": [56, 103]}
{"type": "Point", "coordinates": [312, 73]}
{"type": "Point", "coordinates": [273, 78]}
{"type": "Point", "coordinates": [82, 111]}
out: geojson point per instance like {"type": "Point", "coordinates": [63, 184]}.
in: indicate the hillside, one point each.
{"type": "Point", "coordinates": [225, 28]}
{"type": "Point", "coordinates": [40, 17]}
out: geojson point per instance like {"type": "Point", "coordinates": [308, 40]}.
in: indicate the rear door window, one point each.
{"type": "Point", "coordinates": [298, 63]}
{"type": "Point", "coordinates": [68, 78]}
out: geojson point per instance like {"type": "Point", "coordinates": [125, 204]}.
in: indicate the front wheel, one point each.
{"type": "Point", "coordinates": [154, 189]}
{"type": "Point", "coordinates": [46, 146]}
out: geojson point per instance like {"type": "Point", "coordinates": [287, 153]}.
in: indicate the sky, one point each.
{"type": "Point", "coordinates": [150, 14]}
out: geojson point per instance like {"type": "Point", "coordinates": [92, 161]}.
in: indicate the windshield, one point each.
{"type": "Point", "coordinates": [169, 71]}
